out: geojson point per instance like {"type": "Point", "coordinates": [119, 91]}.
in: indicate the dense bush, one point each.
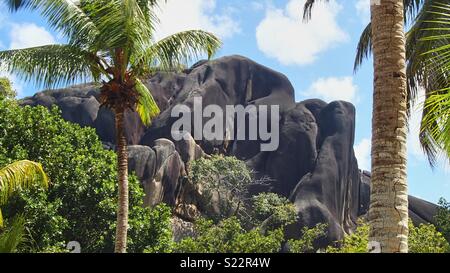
{"type": "Point", "coordinates": [426, 239]}
{"type": "Point", "coordinates": [272, 211]}
{"type": "Point", "coordinates": [229, 237]}
{"type": "Point", "coordinates": [81, 202]}
{"type": "Point", "coordinates": [356, 242]}
{"type": "Point", "coordinates": [306, 243]}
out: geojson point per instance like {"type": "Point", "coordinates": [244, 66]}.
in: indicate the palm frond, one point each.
{"type": "Point", "coordinates": [146, 106]}
{"type": "Point", "coordinates": [19, 175]}
{"type": "Point", "coordinates": [436, 125]}
{"type": "Point", "coordinates": [428, 67]}
{"type": "Point", "coordinates": [308, 7]}
{"type": "Point", "coordinates": [179, 49]}
{"type": "Point", "coordinates": [364, 48]}
{"type": "Point", "coordinates": [122, 26]}
{"type": "Point", "coordinates": [13, 236]}
{"type": "Point", "coordinates": [51, 65]}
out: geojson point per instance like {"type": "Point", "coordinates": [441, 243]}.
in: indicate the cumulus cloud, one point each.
{"type": "Point", "coordinates": [362, 153]}
{"type": "Point", "coordinates": [284, 36]}
{"type": "Point", "coordinates": [363, 10]}
{"type": "Point", "coordinates": [26, 35]}
{"type": "Point", "coordinates": [181, 15]}
{"type": "Point", "coordinates": [334, 88]}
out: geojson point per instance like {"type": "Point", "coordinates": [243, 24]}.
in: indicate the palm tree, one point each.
{"type": "Point", "coordinates": [424, 70]}
{"type": "Point", "coordinates": [388, 212]}
{"type": "Point", "coordinates": [113, 41]}
{"type": "Point", "coordinates": [19, 175]}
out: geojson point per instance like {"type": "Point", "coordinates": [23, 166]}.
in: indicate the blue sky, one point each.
{"type": "Point", "coordinates": [317, 57]}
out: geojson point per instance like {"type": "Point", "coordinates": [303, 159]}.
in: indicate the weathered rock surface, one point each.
{"type": "Point", "coordinates": [314, 166]}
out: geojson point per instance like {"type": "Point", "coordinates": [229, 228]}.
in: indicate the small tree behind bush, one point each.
{"type": "Point", "coordinates": [223, 182]}
{"type": "Point", "coordinates": [443, 218]}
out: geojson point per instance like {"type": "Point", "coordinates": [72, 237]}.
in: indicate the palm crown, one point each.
{"type": "Point", "coordinates": [110, 40]}
{"type": "Point", "coordinates": [113, 41]}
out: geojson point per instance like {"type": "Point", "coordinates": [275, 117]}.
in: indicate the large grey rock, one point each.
{"type": "Point", "coordinates": [314, 166]}
{"type": "Point", "coordinates": [164, 186]}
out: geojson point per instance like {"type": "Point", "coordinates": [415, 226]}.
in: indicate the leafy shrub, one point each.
{"type": "Point", "coordinates": [81, 202]}
{"type": "Point", "coordinates": [273, 211]}
{"type": "Point", "coordinates": [229, 237]}
{"type": "Point", "coordinates": [356, 242]}
{"type": "Point", "coordinates": [306, 243]}
{"type": "Point", "coordinates": [426, 239]}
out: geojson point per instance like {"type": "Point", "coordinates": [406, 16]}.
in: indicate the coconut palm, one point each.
{"type": "Point", "coordinates": [424, 71]}
{"type": "Point", "coordinates": [113, 41]}
{"type": "Point", "coordinates": [19, 175]}
{"type": "Point", "coordinates": [388, 212]}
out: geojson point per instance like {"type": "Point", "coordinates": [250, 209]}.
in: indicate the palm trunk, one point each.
{"type": "Point", "coordinates": [388, 213]}
{"type": "Point", "coordinates": [122, 211]}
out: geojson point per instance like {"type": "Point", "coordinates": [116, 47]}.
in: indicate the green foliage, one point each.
{"type": "Point", "coordinates": [426, 239]}
{"type": "Point", "coordinates": [306, 243]}
{"type": "Point", "coordinates": [443, 218]}
{"type": "Point", "coordinates": [356, 242]}
{"type": "Point", "coordinates": [422, 239]}
{"type": "Point", "coordinates": [155, 230]}
{"type": "Point", "coordinates": [81, 202]}
{"type": "Point", "coordinates": [229, 237]}
{"type": "Point", "coordinates": [18, 175]}
{"type": "Point", "coordinates": [272, 211]}
{"type": "Point", "coordinates": [224, 182]}
{"type": "Point", "coordinates": [6, 90]}
{"type": "Point", "coordinates": [13, 235]}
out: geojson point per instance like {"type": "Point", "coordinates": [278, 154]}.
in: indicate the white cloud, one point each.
{"type": "Point", "coordinates": [26, 35]}
{"type": "Point", "coordinates": [284, 36]}
{"type": "Point", "coordinates": [334, 88]}
{"type": "Point", "coordinates": [181, 15]}
{"type": "Point", "coordinates": [363, 10]}
{"type": "Point", "coordinates": [257, 5]}
{"type": "Point", "coordinates": [362, 153]}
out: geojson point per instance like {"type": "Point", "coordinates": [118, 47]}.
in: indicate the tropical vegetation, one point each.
{"type": "Point", "coordinates": [86, 194]}
{"type": "Point", "coordinates": [113, 42]}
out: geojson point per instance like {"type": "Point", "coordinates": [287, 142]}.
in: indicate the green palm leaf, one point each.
{"type": "Point", "coordinates": [52, 65]}
{"type": "Point", "coordinates": [146, 106]}
{"type": "Point", "coordinates": [20, 175]}
{"type": "Point", "coordinates": [428, 67]}
{"type": "Point", "coordinates": [178, 49]}
{"type": "Point", "coordinates": [13, 236]}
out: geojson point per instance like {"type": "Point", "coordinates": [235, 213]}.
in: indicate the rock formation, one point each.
{"type": "Point", "coordinates": [314, 166]}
